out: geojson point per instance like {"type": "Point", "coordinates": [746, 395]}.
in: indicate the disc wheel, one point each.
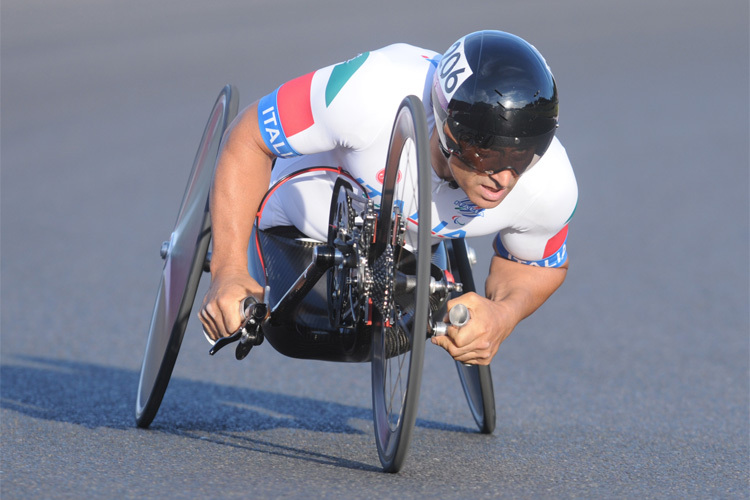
{"type": "Point", "coordinates": [476, 380]}
{"type": "Point", "coordinates": [184, 258]}
{"type": "Point", "coordinates": [401, 274]}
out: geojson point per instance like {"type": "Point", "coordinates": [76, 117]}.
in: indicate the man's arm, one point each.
{"type": "Point", "coordinates": [243, 173]}
{"type": "Point", "coordinates": [514, 291]}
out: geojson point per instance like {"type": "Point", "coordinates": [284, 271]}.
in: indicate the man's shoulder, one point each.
{"type": "Point", "coordinates": [403, 55]}
{"type": "Point", "coordinates": [552, 171]}
{"type": "Point", "coordinates": [389, 69]}
{"type": "Point", "coordinates": [401, 48]}
{"type": "Point", "coordinates": [548, 190]}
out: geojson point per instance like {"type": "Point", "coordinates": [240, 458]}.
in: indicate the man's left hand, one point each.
{"type": "Point", "coordinates": [477, 342]}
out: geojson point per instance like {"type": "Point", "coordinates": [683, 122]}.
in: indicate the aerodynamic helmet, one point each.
{"type": "Point", "coordinates": [494, 91]}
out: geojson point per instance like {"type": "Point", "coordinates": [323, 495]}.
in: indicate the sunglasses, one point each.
{"type": "Point", "coordinates": [516, 160]}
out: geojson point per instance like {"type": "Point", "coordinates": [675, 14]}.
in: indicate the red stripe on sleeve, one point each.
{"type": "Point", "coordinates": [554, 243]}
{"type": "Point", "coordinates": [293, 101]}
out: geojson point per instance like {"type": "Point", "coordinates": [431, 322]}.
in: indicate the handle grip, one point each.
{"type": "Point", "coordinates": [458, 316]}
{"type": "Point", "coordinates": [249, 334]}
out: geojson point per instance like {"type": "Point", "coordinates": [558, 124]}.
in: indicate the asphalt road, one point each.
{"type": "Point", "coordinates": [631, 382]}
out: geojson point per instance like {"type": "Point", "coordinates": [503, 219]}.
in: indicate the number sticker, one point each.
{"type": "Point", "coordinates": [453, 70]}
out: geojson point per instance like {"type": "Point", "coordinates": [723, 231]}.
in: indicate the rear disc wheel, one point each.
{"type": "Point", "coordinates": [185, 257]}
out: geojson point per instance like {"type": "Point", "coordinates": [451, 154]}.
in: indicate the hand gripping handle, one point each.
{"type": "Point", "coordinates": [249, 334]}
{"type": "Point", "coordinates": [458, 316]}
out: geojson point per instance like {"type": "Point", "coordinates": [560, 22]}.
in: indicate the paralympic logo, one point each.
{"type": "Point", "coordinates": [466, 208]}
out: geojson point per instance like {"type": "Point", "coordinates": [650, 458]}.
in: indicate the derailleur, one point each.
{"type": "Point", "coordinates": [249, 334]}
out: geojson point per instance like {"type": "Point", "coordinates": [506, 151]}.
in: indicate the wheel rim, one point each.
{"type": "Point", "coordinates": [151, 366]}
{"type": "Point", "coordinates": [471, 384]}
{"type": "Point", "coordinates": [400, 314]}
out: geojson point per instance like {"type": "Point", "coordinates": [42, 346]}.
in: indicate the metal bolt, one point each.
{"type": "Point", "coordinates": [164, 251]}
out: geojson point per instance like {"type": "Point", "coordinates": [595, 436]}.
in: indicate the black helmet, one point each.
{"type": "Point", "coordinates": [494, 90]}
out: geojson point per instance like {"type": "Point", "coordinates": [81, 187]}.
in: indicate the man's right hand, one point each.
{"type": "Point", "coordinates": [221, 313]}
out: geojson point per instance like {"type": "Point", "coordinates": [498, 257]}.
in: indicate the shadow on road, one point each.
{"type": "Point", "coordinates": [100, 396]}
{"type": "Point", "coordinates": [97, 396]}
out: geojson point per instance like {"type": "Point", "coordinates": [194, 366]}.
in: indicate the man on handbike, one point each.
{"type": "Point", "coordinates": [491, 104]}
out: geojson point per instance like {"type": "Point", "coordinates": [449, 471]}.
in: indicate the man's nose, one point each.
{"type": "Point", "coordinates": [504, 177]}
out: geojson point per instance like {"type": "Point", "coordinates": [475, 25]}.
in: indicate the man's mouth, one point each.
{"type": "Point", "coordinates": [492, 193]}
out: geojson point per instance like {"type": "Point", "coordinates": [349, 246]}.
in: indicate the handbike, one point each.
{"type": "Point", "coordinates": [382, 297]}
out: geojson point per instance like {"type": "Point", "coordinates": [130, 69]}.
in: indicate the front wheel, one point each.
{"type": "Point", "coordinates": [401, 276]}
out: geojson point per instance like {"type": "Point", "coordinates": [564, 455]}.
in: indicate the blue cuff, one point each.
{"type": "Point", "coordinates": [557, 259]}
{"type": "Point", "coordinates": [269, 123]}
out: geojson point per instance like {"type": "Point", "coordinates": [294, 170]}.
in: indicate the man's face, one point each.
{"type": "Point", "coordinates": [486, 175]}
{"type": "Point", "coordinates": [485, 191]}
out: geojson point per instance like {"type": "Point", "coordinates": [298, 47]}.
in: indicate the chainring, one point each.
{"type": "Point", "coordinates": [350, 231]}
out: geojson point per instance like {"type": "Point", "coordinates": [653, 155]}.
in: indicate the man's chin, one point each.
{"type": "Point", "coordinates": [483, 202]}
{"type": "Point", "coordinates": [490, 198]}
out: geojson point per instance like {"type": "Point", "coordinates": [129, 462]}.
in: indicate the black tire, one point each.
{"type": "Point", "coordinates": [476, 380]}
{"type": "Point", "coordinates": [185, 256]}
{"type": "Point", "coordinates": [399, 332]}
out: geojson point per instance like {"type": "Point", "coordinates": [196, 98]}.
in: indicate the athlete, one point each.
{"type": "Point", "coordinates": [491, 103]}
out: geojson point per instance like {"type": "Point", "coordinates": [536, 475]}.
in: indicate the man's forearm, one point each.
{"type": "Point", "coordinates": [242, 176]}
{"type": "Point", "coordinates": [522, 288]}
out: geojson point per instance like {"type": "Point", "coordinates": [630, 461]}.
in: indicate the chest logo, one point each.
{"type": "Point", "coordinates": [467, 209]}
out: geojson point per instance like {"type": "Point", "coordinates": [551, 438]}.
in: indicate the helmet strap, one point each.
{"type": "Point", "coordinates": [443, 149]}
